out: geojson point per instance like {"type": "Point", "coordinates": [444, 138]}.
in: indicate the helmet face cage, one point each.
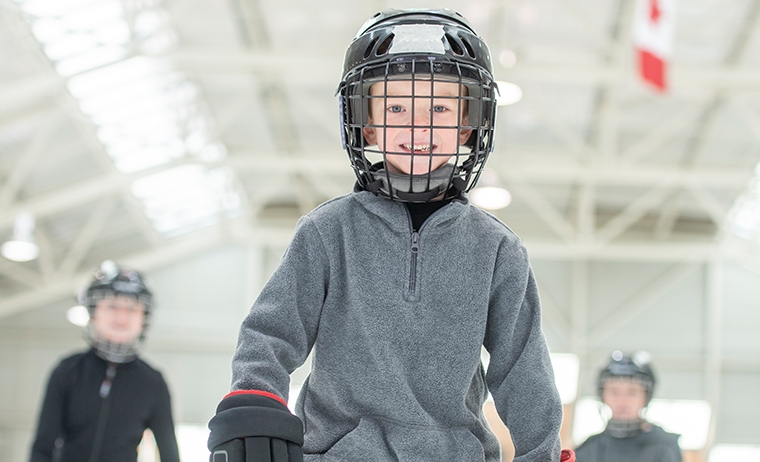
{"type": "Point", "coordinates": [432, 60]}
{"type": "Point", "coordinates": [110, 351]}
{"type": "Point", "coordinates": [111, 281]}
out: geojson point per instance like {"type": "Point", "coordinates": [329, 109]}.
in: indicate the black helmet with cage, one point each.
{"type": "Point", "coordinates": [419, 45]}
{"type": "Point", "coordinates": [635, 367]}
{"type": "Point", "coordinates": [110, 280]}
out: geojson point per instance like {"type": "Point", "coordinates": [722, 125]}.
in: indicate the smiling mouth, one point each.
{"type": "Point", "coordinates": [421, 148]}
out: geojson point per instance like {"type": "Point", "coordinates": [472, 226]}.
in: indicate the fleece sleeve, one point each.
{"type": "Point", "coordinates": [520, 376]}
{"type": "Point", "coordinates": [278, 333]}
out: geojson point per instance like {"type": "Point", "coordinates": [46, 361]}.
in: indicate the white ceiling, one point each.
{"type": "Point", "coordinates": [625, 197]}
{"type": "Point", "coordinates": [600, 166]}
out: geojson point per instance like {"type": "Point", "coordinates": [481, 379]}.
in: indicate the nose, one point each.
{"type": "Point", "coordinates": [421, 116]}
{"type": "Point", "coordinates": [121, 315]}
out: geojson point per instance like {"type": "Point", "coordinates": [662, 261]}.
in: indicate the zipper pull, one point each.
{"type": "Point", "coordinates": [105, 387]}
{"type": "Point", "coordinates": [415, 242]}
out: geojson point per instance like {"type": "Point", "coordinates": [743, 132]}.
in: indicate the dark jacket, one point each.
{"type": "Point", "coordinates": [71, 410]}
{"type": "Point", "coordinates": [654, 445]}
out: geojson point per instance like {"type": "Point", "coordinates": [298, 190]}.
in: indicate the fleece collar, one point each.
{"type": "Point", "coordinates": [396, 216]}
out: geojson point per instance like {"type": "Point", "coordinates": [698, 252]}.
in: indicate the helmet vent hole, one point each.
{"type": "Point", "coordinates": [456, 47]}
{"type": "Point", "coordinates": [371, 46]}
{"type": "Point", "coordinates": [385, 45]}
{"type": "Point", "coordinates": [468, 46]}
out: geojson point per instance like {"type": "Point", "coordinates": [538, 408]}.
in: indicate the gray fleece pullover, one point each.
{"type": "Point", "coordinates": [396, 321]}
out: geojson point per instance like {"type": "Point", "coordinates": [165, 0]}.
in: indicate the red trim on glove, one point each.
{"type": "Point", "coordinates": [256, 392]}
{"type": "Point", "coordinates": [567, 456]}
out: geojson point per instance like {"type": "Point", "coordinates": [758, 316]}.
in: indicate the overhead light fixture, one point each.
{"type": "Point", "coordinates": [78, 315]}
{"type": "Point", "coordinates": [509, 93]}
{"type": "Point", "coordinates": [490, 195]}
{"type": "Point", "coordinates": [22, 247]}
{"type": "Point", "coordinates": [508, 58]}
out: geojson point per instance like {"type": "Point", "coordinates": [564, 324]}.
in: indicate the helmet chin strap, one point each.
{"type": "Point", "coordinates": [624, 428]}
{"type": "Point", "coordinates": [414, 188]}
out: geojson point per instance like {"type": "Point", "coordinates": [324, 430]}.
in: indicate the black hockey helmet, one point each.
{"type": "Point", "coordinates": [418, 45]}
{"type": "Point", "coordinates": [635, 367]}
{"type": "Point", "coordinates": [111, 280]}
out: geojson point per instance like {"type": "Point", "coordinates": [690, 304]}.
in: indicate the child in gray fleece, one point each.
{"type": "Point", "coordinates": [395, 287]}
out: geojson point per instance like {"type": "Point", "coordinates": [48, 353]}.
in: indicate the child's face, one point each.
{"type": "Point", "coordinates": [625, 397]}
{"type": "Point", "coordinates": [118, 319]}
{"type": "Point", "coordinates": [403, 136]}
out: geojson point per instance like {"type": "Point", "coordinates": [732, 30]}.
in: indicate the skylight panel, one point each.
{"type": "Point", "coordinates": [146, 113]}
{"type": "Point", "coordinates": [78, 36]}
{"type": "Point", "coordinates": [99, 56]}
{"type": "Point", "coordinates": [136, 71]}
{"type": "Point", "coordinates": [92, 15]}
{"type": "Point", "coordinates": [130, 94]}
{"type": "Point", "coordinates": [187, 196]}
{"type": "Point", "coordinates": [49, 30]}
{"type": "Point", "coordinates": [142, 157]}
{"type": "Point", "coordinates": [44, 8]}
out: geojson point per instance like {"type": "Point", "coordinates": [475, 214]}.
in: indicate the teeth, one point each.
{"type": "Point", "coordinates": [417, 147]}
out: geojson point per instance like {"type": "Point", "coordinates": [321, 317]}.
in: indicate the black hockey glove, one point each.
{"type": "Point", "coordinates": [254, 428]}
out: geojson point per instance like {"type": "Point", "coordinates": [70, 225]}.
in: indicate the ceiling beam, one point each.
{"type": "Point", "coordinates": [604, 128]}
{"type": "Point", "coordinates": [28, 160]}
{"type": "Point", "coordinates": [545, 210]}
{"type": "Point", "coordinates": [18, 96]}
{"type": "Point", "coordinates": [655, 138]}
{"type": "Point", "coordinates": [641, 302]}
{"type": "Point", "coordinates": [572, 140]}
{"type": "Point", "coordinates": [65, 285]}
{"type": "Point", "coordinates": [644, 251]}
{"type": "Point", "coordinates": [87, 236]}
{"type": "Point", "coordinates": [684, 78]}
{"type": "Point", "coordinates": [62, 287]}
{"type": "Point", "coordinates": [322, 69]}
{"type": "Point", "coordinates": [618, 224]}
{"type": "Point", "coordinates": [533, 170]}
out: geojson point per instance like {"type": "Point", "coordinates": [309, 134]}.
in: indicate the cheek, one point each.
{"type": "Point", "coordinates": [97, 324]}
{"type": "Point", "coordinates": [137, 322]}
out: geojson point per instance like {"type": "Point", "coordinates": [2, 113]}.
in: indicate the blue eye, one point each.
{"type": "Point", "coordinates": [439, 108]}
{"type": "Point", "coordinates": [395, 109]}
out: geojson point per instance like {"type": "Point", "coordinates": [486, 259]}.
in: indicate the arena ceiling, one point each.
{"type": "Point", "coordinates": [147, 131]}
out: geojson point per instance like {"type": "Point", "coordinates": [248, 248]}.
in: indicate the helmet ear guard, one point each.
{"type": "Point", "coordinates": [418, 46]}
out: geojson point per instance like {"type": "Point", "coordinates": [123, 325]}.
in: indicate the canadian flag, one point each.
{"type": "Point", "coordinates": [653, 31]}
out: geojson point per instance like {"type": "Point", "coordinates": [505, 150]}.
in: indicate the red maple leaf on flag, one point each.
{"type": "Point", "coordinates": [654, 23]}
{"type": "Point", "coordinates": [654, 11]}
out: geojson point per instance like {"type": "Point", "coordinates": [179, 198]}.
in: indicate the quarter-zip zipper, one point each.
{"type": "Point", "coordinates": [415, 250]}
{"type": "Point", "coordinates": [413, 267]}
